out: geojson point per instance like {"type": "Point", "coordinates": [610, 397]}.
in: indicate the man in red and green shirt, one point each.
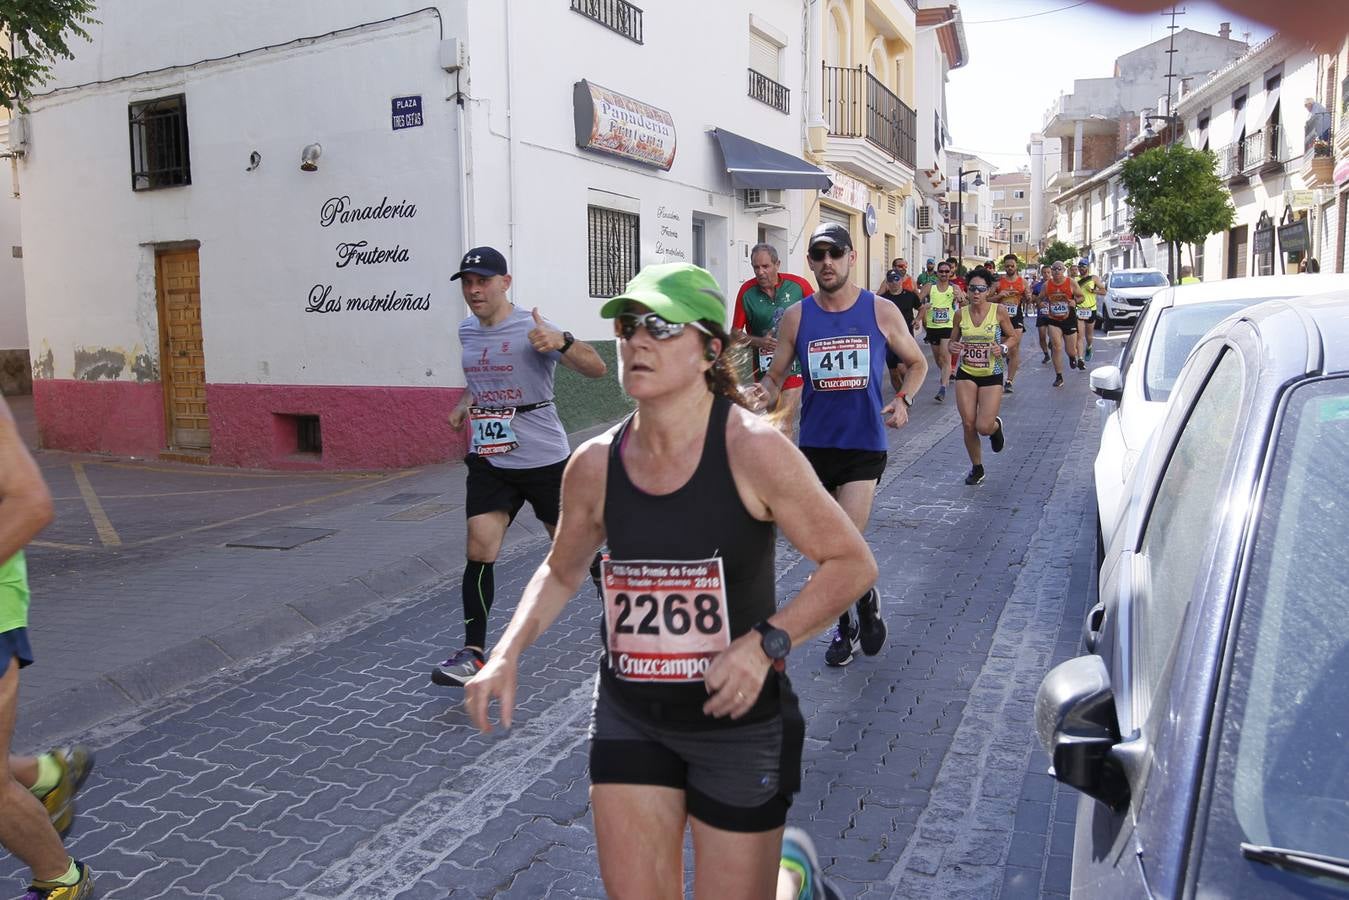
{"type": "Point", "coordinates": [758, 309]}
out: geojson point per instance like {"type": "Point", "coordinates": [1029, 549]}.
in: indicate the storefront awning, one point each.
{"type": "Point", "coordinates": [755, 165]}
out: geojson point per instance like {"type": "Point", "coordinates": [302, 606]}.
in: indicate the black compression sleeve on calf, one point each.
{"type": "Point", "coordinates": [479, 589]}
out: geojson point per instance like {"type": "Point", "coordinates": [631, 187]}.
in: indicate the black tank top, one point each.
{"type": "Point", "coordinates": [701, 520]}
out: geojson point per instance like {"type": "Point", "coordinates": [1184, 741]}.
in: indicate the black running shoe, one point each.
{"type": "Point", "coordinates": [976, 476]}
{"type": "Point", "coordinates": [1007, 388]}
{"type": "Point", "coordinates": [840, 651]}
{"type": "Point", "coordinates": [1044, 359]}
{"type": "Point", "coordinates": [996, 439]}
{"type": "Point", "coordinates": [1058, 380]}
{"type": "Point", "coordinates": [871, 625]}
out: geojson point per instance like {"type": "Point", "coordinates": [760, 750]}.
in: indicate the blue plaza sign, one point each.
{"type": "Point", "coordinates": [407, 112]}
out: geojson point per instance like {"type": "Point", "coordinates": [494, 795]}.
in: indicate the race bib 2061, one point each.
{"type": "Point", "coordinates": [665, 620]}
{"type": "Point", "coordinates": [839, 363]}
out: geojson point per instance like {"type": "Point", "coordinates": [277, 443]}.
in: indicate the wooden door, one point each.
{"type": "Point", "coordinates": [1237, 244]}
{"type": "Point", "coordinates": [182, 358]}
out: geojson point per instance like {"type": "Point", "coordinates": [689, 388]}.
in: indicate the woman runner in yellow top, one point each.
{"type": "Point", "coordinates": [976, 338]}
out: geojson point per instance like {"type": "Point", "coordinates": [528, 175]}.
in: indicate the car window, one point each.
{"type": "Point", "coordinates": [1282, 771]}
{"type": "Point", "coordinates": [1180, 523]}
{"type": "Point", "coordinates": [1137, 279]}
{"type": "Point", "coordinates": [1178, 330]}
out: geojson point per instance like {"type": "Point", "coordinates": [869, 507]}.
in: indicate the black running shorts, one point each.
{"type": "Point", "coordinates": [835, 467]}
{"type": "Point", "coordinates": [1019, 321]}
{"type": "Point", "coordinates": [936, 335]}
{"type": "Point", "coordinates": [494, 489]}
{"type": "Point", "coordinates": [735, 777]}
{"type": "Point", "coordinates": [980, 380]}
{"type": "Point", "coordinates": [14, 645]}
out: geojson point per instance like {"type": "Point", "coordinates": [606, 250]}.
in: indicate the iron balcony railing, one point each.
{"type": "Point", "coordinates": [766, 90]}
{"type": "Point", "coordinates": [856, 105]}
{"type": "Point", "coordinates": [617, 15]}
{"type": "Point", "coordinates": [1263, 150]}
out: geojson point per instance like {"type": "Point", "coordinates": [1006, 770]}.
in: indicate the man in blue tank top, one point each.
{"type": "Point", "coordinates": [517, 445]}
{"type": "Point", "coordinates": [840, 334]}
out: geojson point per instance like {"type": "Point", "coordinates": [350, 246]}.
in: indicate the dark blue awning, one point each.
{"type": "Point", "coordinates": [755, 165]}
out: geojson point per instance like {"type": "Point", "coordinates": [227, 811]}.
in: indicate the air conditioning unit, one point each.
{"type": "Point", "coordinates": [762, 198]}
{"type": "Point", "coordinates": [924, 218]}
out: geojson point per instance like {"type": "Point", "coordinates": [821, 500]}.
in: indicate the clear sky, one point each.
{"type": "Point", "coordinates": [998, 99]}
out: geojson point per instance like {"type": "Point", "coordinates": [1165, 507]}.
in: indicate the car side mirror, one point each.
{"type": "Point", "coordinates": [1076, 722]}
{"type": "Point", "coordinates": [1107, 382]}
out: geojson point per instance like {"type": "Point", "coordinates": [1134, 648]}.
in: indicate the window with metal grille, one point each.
{"type": "Point", "coordinates": [614, 249]}
{"type": "Point", "coordinates": [308, 434]}
{"type": "Point", "coordinates": [616, 15]}
{"type": "Point", "coordinates": [159, 146]}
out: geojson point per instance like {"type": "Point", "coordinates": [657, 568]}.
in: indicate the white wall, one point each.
{"type": "Point", "coordinates": [13, 318]}
{"type": "Point", "coordinates": [696, 72]}
{"type": "Point", "coordinates": [88, 237]}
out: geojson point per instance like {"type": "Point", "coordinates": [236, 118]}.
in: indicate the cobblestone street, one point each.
{"type": "Point", "coordinates": [329, 767]}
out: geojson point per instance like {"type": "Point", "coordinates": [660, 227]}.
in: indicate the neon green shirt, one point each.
{"type": "Point", "coordinates": [14, 593]}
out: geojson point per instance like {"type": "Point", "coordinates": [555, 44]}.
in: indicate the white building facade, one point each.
{"type": "Point", "coordinates": [229, 307]}
{"type": "Point", "coordinates": [15, 368]}
{"type": "Point", "coordinates": [1251, 115]}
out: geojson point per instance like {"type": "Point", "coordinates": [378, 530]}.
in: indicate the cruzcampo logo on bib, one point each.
{"type": "Point", "coordinates": [665, 620]}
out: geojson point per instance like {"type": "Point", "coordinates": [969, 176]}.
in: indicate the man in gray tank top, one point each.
{"type": "Point", "coordinates": [517, 446]}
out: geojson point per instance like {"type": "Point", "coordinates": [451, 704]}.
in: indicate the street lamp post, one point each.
{"type": "Point", "coordinates": [960, 216]}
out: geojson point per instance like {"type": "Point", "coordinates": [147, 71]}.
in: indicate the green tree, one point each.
{"type": "Point", "coordinates": [1175, 194]}
{"type": "Point", "coordinates": [1058, 252]}
{"type": "Point", "coordinates": [36, 32]}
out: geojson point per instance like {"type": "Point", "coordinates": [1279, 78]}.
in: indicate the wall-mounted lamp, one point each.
{"type": "Point", "coordinates": [309, 157]}
{"type": "Point", "coordinates": [254, 160]}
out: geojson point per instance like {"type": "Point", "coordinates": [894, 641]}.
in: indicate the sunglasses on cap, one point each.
{"type": "Point", "coordinates": [626, 325]}
{"type": "Point", "coordinates": [817, 254]}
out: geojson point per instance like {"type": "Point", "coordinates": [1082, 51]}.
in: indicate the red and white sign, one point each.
{"type": "Point", "coordinates": [615, 123]}
{"type": "Point", "coordinates": [665, 620]}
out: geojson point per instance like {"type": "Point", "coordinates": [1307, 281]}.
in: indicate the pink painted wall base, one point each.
{"type": "Point", "coordinates": [124, 418]}
{"type": "Point", "coordinates": [259, 426]}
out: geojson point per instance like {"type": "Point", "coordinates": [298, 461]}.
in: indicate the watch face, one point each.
{"type": "Point", "coordinates": [777, 643]}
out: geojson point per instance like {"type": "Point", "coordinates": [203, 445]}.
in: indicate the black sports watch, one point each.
{"type": "Point", "coordinates": [776, 644]}
{"type": "Point", "coordinates": [567, 340]}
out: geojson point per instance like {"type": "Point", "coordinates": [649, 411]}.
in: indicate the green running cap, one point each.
{"type": "Point", "coordinates": [677, 292]}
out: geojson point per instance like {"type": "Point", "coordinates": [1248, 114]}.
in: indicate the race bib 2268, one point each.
{"type": "Point", "coordinates": [665, 620]}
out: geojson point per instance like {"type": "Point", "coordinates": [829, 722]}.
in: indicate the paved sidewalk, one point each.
{"type": "Point", "coordinates": [328, 767]}
{"type": "Point", "coordinates": [137, 589]}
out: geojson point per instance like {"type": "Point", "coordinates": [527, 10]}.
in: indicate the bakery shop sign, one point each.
{"type": "Point", "coordinates": [609, 122]}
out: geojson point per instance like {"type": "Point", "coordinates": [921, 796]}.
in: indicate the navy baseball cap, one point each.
{"type": "Point", "coordinates": [831, 233]}
{"type": "Point", "coordinates": [484, 261]}
{"type": "Point", "coordinates": [1084, 262]}
{"type": "Point", "coordinates": [892, 275]}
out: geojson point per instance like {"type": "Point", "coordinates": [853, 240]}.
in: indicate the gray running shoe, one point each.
{"type": "Point", "coordinates": [941, 394]}
{"type": "Point", "coordinates": [459, 669]}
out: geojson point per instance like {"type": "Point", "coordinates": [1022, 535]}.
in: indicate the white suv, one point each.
{"type": "Point", "coordinates": [1127, 291]}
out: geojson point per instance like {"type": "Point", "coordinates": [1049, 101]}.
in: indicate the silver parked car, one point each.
{"type": "Point", "coordinates": [1127, 291]}
{"type": "Point", "coordinates": [1208, 728]}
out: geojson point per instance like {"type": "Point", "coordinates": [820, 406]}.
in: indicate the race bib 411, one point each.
{"type": "Point", "coordinates": [839, 363]}
{"type": "Point", "coordinates": [665, 620]}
